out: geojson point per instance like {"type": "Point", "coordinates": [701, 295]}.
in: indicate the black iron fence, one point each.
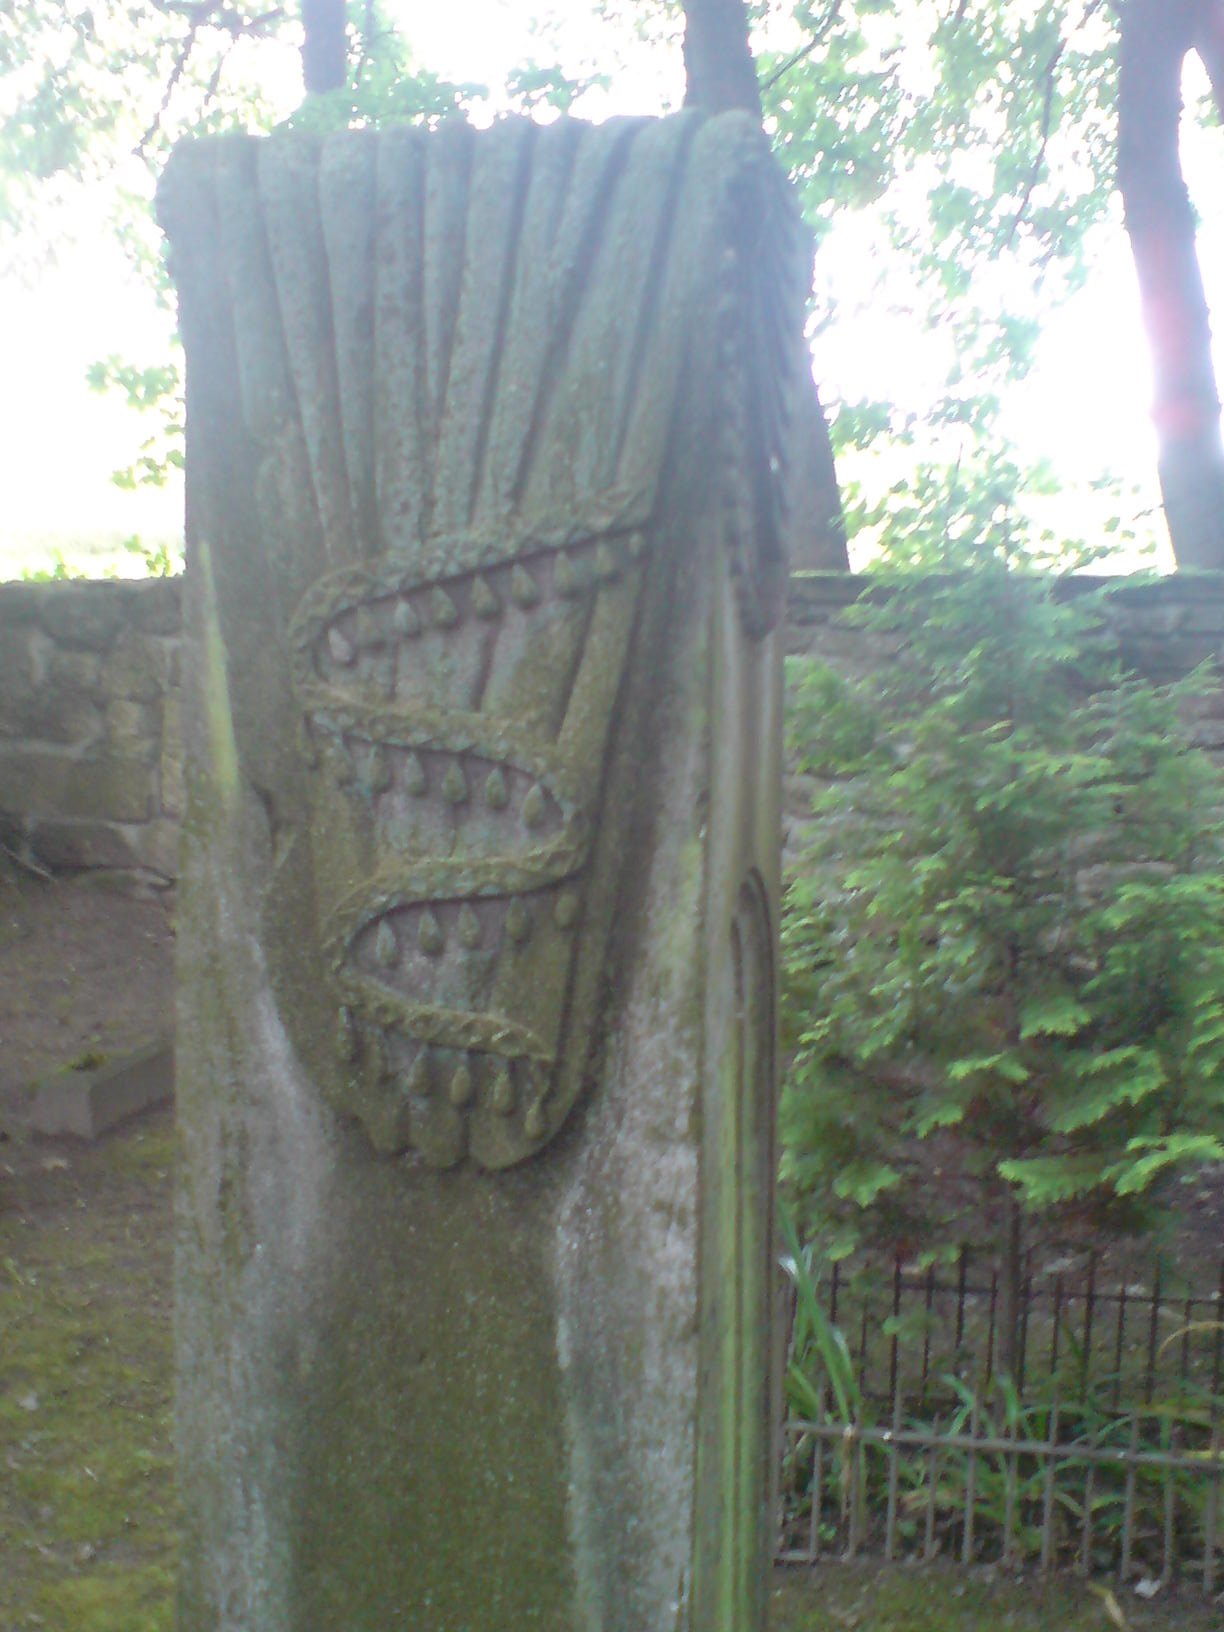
{"type": "Point", "coordinates": [1088, 1435]}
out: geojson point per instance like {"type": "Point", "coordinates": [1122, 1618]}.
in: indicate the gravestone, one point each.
{"type": "Point", "coordinates": [487, 439]}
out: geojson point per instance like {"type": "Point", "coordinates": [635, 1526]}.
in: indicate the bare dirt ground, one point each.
{"type": "Point", "coordinates": [83, 969]}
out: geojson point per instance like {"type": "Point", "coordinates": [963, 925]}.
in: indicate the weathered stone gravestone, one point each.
{"type": "Point", "coordinates": [486, 436]}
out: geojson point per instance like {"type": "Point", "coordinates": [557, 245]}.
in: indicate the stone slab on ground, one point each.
{"type": "Point", "coordinates": [86, 1102]}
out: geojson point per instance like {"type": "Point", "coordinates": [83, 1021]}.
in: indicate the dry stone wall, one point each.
{"type": "Point", "coordinates": [1165, 628]}
{"type": "Point", "coordinates": [90, 757]}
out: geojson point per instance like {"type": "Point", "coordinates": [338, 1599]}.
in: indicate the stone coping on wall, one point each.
{"type": "Point", "coordinates": [1183, 602]}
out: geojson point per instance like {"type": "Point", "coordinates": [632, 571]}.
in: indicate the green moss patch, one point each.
{"type": "Point", "coordinates": [873, 1597]}
{"type": "Point", "coordinates": [87, 1497]}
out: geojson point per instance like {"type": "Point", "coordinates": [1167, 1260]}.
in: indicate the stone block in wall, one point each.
{"type": "Point", "coordinates": [19, 604]}
{"type": "Point", "coordinates": [36, 781]}
{"type": "Point", "coordinates": [66, 844]}
{"type": "Point", "coordinates": [37, 700]}
{"type": "Point", "coordinates": [86, 614]}
{"type": "Point", "coordinates": [138, 668]}
{"type": "Point", "coordinates": [134, 729]}
{"type": "Point", "coordinates": [156, 606]}
{"type": "Point", "coordinates": [155, 846]}
{"type": "Point", "coordinates": [69, 669]}
{"type": "Point", "coordinates": [173, 787]}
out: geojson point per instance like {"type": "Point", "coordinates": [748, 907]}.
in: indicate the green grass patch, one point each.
{"type": "Point", "coordinates": [874, 1597]}
{"type": "Point", "coordinates": [87, 1511]}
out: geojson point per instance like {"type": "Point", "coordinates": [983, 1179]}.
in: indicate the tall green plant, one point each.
{"type": "Point", "coordinates": [1003, 954]}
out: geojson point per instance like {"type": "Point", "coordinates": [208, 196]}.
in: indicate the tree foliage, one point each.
{"type": "Point", "coordinates": [1004, 941]}
{"type": "Point", "coordinates": [979, 137]}
{"type": "Point", "coordinates": [983, 138]}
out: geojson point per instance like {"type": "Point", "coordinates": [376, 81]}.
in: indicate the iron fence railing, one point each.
{"type": "Point", "coordinates": [1099, 1449]}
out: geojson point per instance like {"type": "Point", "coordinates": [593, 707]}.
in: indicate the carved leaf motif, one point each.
{"type": "Point", "coordinates": [461, 1087]}
{"type": "Point", "coordinates": [485, 603]}
{"type": "Point", "coordinates": [518, 922]}
{"type": "Point", "coordinates": [454, 784]}
{"type": "Point", "coordinates": [341, 648]}
{"type": "Point", "coordinates": [443, 610]}
{"type": "Point", "coordinates": [567, 909]}
{"type": "Point", "coordinates": [429, 934]}
{"type": "Point", "coordinates": [524, 590]}
{"type": "Point", "coordinates": [566, 578]}
{"type": "Point", "coordinates": [468, 928]}
{"type": "Point", "coordinates": [496, 793]}
{"type": "Point", "coordinates": [386, 947]}
{"type": "Point", "coordinates": [378, 772]}
{"type": "Point", "coordinates": [503, 1094]}
{"type": "Point", "coordinates": [415, 782]}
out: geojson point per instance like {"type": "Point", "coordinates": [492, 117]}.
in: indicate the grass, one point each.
{"type": "Point", "coordinates": [872, 1597]}
{"type": "Point", "coordinates": [86, 1489]}
{"type": "Point", "coordinates": [87, 1513]}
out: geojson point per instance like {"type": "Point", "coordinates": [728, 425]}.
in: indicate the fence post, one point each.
{"type": "Point", "coordinates": [1128, 1506]}
{"type": "Point", "coordinates": [1047, 1517]}
{"type": "Point", "coordinates": [890, 1533]}
{"type": "Point", "coordinates": [1213, 1498]}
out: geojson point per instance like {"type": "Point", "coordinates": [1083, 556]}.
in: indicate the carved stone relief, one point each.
{"type": "Point", "coordinates": [465, 720]}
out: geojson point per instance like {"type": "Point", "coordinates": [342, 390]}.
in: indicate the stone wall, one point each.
{"type": "Point", "coordinates": [1165, 627]}
{"type": "Point", "coordinates": [90, 758]}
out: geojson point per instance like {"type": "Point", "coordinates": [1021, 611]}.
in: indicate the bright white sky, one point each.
{"type": "Point", "coordinates": [1085, 406]}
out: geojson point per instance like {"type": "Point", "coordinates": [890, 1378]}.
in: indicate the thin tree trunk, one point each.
{"type": "Point", "coordinates": [1209, 43]}
{"type": "Point", "coordinates": [718, 64]}
{"type": "Point", "coordinates": [721, 75]}
{"type": "Point", "coordinates": [324, 48]}
{"type": "Point", "coordinates": [1155, 37]}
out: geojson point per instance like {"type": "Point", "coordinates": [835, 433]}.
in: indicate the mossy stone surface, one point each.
{"type": "Point", "coordinates": [480, 728]}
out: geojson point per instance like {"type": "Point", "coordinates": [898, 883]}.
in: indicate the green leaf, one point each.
{"type": "Point", "coordinates": [1057, 1015]}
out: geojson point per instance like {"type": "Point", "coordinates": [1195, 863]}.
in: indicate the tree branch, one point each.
{"type": "Point", "coordinates": [1047, 115]}
{"type": "Point", "coordinates": [176, 73]}
{"type": "Point", "coordinates": [804, 51]}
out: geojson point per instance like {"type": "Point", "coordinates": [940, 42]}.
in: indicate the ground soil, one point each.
{"type": "Point", "coordinates": [87, 1536]}
{"type": "Point", "coordinates": [86, 967]}
{"type": "Point", "coordinates": [87, 1512]}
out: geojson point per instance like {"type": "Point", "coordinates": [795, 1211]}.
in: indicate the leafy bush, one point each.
{"type": "Point", "coordinates": [1003, 951]}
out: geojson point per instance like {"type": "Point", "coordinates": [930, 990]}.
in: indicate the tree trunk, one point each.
{"type": "Point", "coordinates": [720, 75]}
{"type": "Point", "coordinates": [718, 62]}
{"type": "Point", "coordinates": [1155, 37]}
{"type": "Point", "coordinates": [1209, 43]}
{"type": "Point", "coordinates": [324, 48]}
